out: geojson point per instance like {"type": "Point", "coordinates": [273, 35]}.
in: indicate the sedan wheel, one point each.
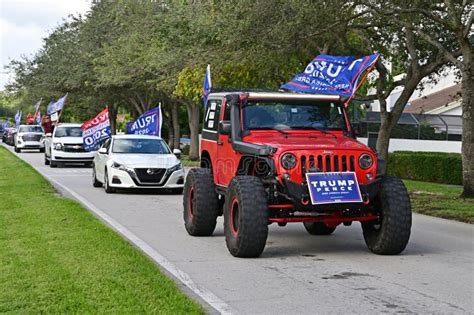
{"type": "Point", "coordinates": [107, 188]}
{"type": "Point", "coordinates": [95, 182]}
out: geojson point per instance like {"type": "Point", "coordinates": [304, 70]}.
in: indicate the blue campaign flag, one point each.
{"type": "Point", "coordinates": [54, 107]}
{"type": "Point", "coordinates": [37, 105]}
{"type": "Point", "coordinates": [38, 117]}
{"type": "Point", "coordinates": [206, 88]}
{"type": "Point", "coordinates": [147, 124]}
{"type": "Point", "coordinates": [18, 118]}
{"type": "Point", "coordinates": [333, 187]}
{"type": "Point", "coordinates": [6, 124]}
{"type": "Point", "coordinates": [326, 74]}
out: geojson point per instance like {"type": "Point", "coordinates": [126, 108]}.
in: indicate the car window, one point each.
{"type": "Point", "coordinates": [211, 118]}
{"type": "Point", "coordinates": [24, 129]}
{"type": "Point", "coordinates": [68, 132]}
{"type": "Point", "coordinates": [140, 146]}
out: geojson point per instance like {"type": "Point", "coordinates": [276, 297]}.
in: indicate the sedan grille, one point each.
{"type": "Point", "coordinates": [150, 175]}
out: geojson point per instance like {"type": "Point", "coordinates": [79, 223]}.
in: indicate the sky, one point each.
{"type": "Point", "coordinates": [24, 24]}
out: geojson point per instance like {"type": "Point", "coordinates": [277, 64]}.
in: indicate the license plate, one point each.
{"type": "Point", "coordinates": [333, 187]}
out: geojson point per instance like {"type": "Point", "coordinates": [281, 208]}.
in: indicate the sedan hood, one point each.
{"type": "Point", "coordinates": [146, 160]}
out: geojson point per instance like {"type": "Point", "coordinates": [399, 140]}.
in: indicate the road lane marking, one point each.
{"type": "Point", "coordinates": [209, 297]}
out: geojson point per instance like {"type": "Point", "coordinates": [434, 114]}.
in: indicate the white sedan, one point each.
{"type": "Point", "coordinates": [137, 161]}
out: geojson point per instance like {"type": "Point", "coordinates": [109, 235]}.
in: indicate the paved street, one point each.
{"type": "Point", "coordinates": [298, 273]}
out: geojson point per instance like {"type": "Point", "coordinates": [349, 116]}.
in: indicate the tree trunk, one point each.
{"type": "Point", "coordinates": [175, 122]}
{"type": "Point", "coordinates": [467, 121]}
{"type": "Point", "coordinates": [113, 119]}
{"type": "Point", "coordinates": [167, 114]}
{"type": "Point", "coordinates": [193, 121]}
{"type": "Point", "coordinates": [388, 120]}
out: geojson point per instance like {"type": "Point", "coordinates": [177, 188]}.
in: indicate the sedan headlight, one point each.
{"type": "Point", "coordinates": [288, 161]}
{"type": "Point", "coordinates": [175, 168]}
{"type": "Point", "coordinates": [58, 146]}
{"type": "Point", "coordinates": [365, 161]}
{"type": "Point", "coordinates": [121, 167]}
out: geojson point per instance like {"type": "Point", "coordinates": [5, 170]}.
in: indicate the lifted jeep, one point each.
{"type": "Point", "coordinates": [259, 151]}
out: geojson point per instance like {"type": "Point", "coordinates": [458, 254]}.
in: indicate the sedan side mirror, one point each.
{"type": "Point", "coordinates": [177, 152]}
{"type": "Point", "coordinates": [102, 151]}
{"type": "Point", "coordinates": [224, 127]}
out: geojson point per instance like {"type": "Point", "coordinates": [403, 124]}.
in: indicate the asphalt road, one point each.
{"type": "Point", "coordinates": [297, 273]}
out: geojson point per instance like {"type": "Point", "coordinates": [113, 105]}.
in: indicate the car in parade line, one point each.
{"type": "Point", "coordinates": [29, 137]}
{"type": "Point", "coordinates": [9, 136]}
{"type": "Point", "coordinates": [279, 157]}
{"type": "Point", "coordinates": [137, 161]}
{"type": "Point", "coordinates": [65, 145]}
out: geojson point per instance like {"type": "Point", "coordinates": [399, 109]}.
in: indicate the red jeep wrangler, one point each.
{"type": "Point", "coordinates": [273, 157]}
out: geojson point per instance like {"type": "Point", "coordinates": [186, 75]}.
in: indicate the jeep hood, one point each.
{"type": "Point", "coordinates": [319, 141]}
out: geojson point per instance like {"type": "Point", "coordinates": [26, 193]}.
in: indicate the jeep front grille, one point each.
{"type": "Point", "coordinates": [327, 163]}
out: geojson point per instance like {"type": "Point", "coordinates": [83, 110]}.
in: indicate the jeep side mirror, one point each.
{"type": "Point", "coordinates": [224, 127]}
{"type": "Point", "coordinates": [177, 152]}
{"type": "Point", "coordinates": [102, 151]}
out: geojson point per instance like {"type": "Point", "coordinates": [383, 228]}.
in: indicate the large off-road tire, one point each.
{"type": "Point", "coordinates": [200, 204]}
{"type": "Point", "coordinates": [95, 182]}
{"type": "Point", "coordinates": [390, 234]}
{"type": "Point", "coordinates": [318, 228]}
{"type": "Point", "coordinates": [246, 217]}
{"type": "Point", "coordinates": [107, 188]}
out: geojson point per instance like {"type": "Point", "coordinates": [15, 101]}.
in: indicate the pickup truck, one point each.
{"type": "Point", "coordinates": [64, 145]}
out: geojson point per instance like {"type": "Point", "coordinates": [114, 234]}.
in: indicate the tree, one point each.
{"type": "Point", "coordinates": [435, 35]}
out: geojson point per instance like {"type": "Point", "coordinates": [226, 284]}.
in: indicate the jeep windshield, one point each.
{"type": "Point", "coordinates": [323, 116]}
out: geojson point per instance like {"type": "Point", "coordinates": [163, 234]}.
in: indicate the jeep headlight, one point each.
{"type": "Point", "coordinates": [58, 146]}
{"type": "Point", "coordinates": [365, 161]}
{"type": "Point", "coordinates": [288, 161]}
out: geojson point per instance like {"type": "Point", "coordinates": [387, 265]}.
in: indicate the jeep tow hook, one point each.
{"type": "Point", "coordinates": [365, 199]}
{"type": "Point", "coordinates": [304, 200]}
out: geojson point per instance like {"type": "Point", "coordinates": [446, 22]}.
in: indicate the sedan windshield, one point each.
{"type": "Point", "coordinates": [68, 132]}
{"type": "Point", "coordinates": [30, 129]}
{"type": "Point", "coordinates": [140, 146]}
{"type": "Point", "coordinates": [285, 115]}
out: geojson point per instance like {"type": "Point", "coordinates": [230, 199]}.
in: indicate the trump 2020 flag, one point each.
{"type": "Point", "coordinates": [147, 124]}
{"type": "Point", "coordinates": [206, 88]}
{"type": "Point", "coordinates": [18, 118]}
{"type": "Point", "coordinates": [56, 106]}
{"type": "Point", "coordinates": [337, 75]}
{"type": "Point", "coordinates": [96, 130]}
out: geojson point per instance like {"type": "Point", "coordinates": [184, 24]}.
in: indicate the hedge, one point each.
{"type": "Point", "coordinates": [436, 167]}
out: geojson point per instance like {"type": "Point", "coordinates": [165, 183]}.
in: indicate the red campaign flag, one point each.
{"type": "Point", "coordinates": [96, 130]}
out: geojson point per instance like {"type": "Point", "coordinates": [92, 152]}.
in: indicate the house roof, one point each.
{"type": "Point", "coordinates": [433, 101]}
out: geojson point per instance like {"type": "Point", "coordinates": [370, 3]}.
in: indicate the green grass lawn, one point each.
{"type": "Point", "coordinates": [440, 201]}
{"type": "Point", "coordinates": [55, 257]}
{"type": "Point", "coordinates": [187, 162]}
